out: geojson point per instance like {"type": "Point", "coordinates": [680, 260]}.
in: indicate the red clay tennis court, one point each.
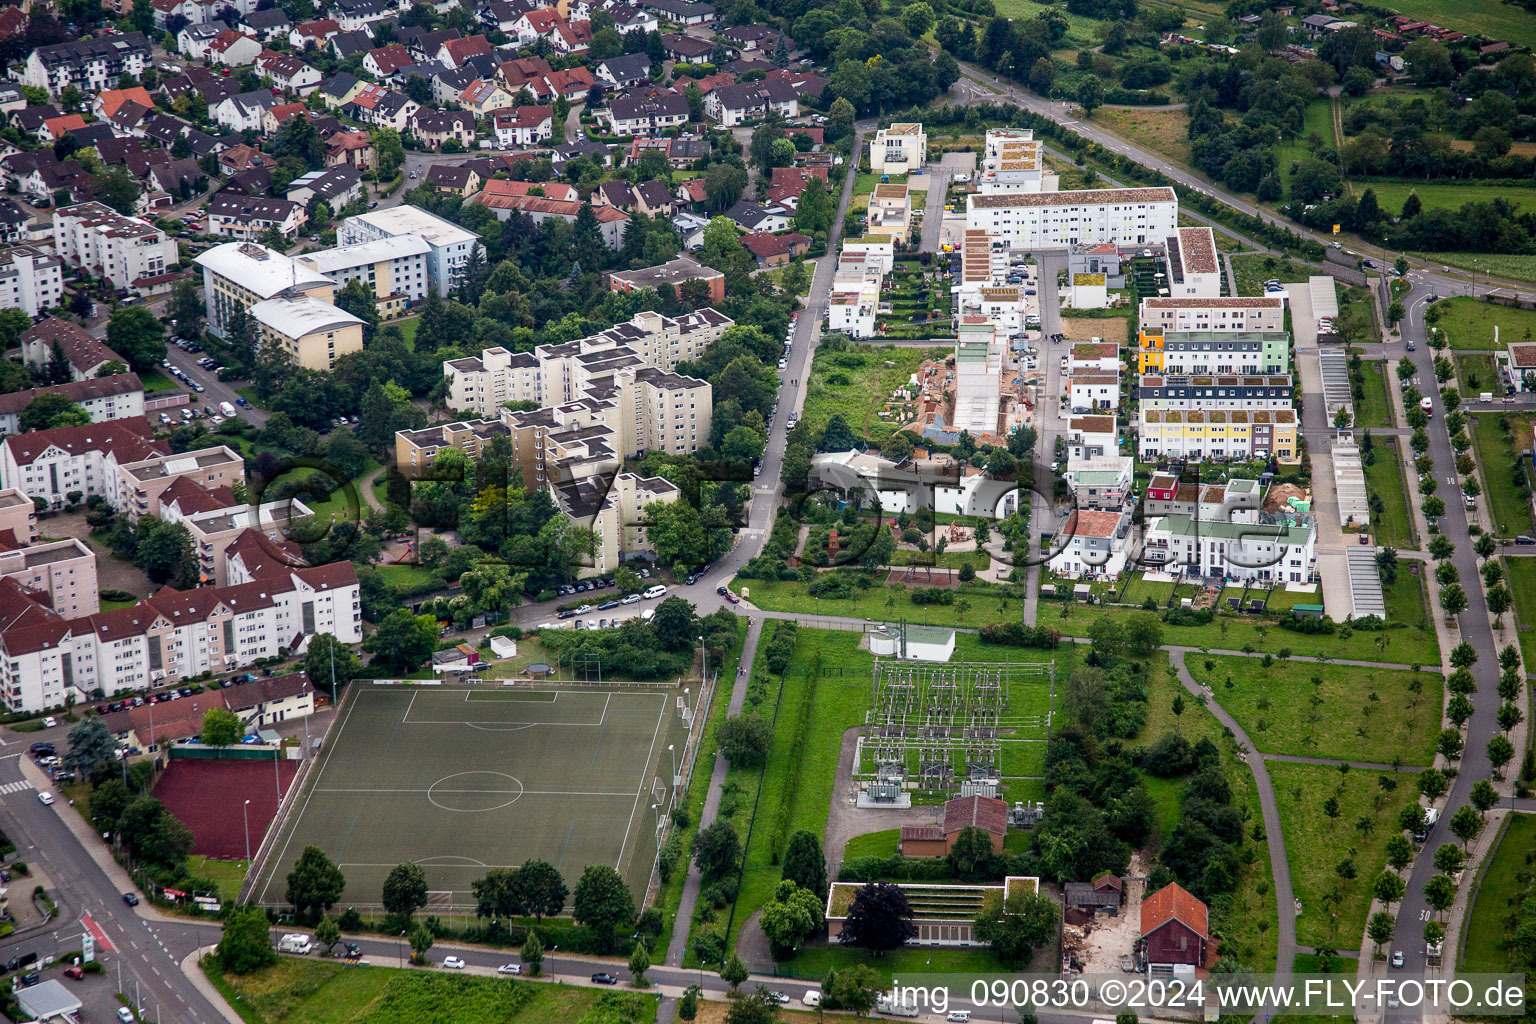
{"type": "Point", "coordinates": [208, 796]}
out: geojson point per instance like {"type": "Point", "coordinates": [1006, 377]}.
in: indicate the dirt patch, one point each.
{"type": "Point", "coordinates": [923, 576]}
{"type": "Point", "coordinates": [1165, 131]}
{"type": "Point", "coordinates": [112, 573]}
{"type": "Point", "coordinates": [1515, 149]}
{"type": "Point", "coordinates": [1111, 329]}
{"type": "Point", "coordinates": [1106, 939]}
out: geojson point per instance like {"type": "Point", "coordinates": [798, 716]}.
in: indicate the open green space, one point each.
{"type": "Point", "coordinates": [1336, 711]}
{"type": "Point", "coordinates": [1333, 909]}
{"type": "Point", "coordinates": [405, 576]}
{"type": "Point", "coordinates": [1316, 128]}
{"type": "Point", "coordinates": [1514, 267]}
{"type": "Point", "coordinates": [1393, 526]}
{"type": "Point", "coordinates": [1237, 633]}
{"type": "Point", "coordinates": [1469, 323]}
{"type": "Point", "coordinates": [1375, 409]}
{"type": "Point", "coordinates": [407, 329]}
{"type": "Point", "coordinates": [228, 875]}
{"type": "Point", "coordinates": [1499, 890]}
{"type": "Point", "coordinates": [873, 844]}
{"type": "Point", "coordinates": [1407, 601]}
{"type": "Point", "coordinates": [1436, 196]}
{"type": "Point", "coordinates": [298, 991]}
{"type": "Point", "coordinates": [881, 604]}
{"type": "Point", "coordinates": [1520, 574]}
{"type": "Point", "coordinates": [1475, 371]}
{"type": "Point", "coordinates": [977, 560]}
{"type": "Point", "coordinates": [857, 384]}
{"type": "Point", "coordinates": [1496, 453]}
{"type": "Point", "coordinates": [155, 380]}
{"type": "Point", "coordinates": [1253, 269]}
{"type": "Point", "coordinates": [1250, 923]}
{"type": "Point", "coordinates": [429, 775]}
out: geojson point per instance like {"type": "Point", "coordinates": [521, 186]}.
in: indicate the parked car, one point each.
{"type": "Point", "coordinates": [131, 898]}
{"type": "Point", "coordinates": [604, 978]}
{"type": "Point", "coordinates": [453, 963]}
{"type": "Point", "coordinates": [510, 969]}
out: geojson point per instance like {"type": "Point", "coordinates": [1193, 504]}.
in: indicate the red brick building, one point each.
{"type": "Point", "coordinates": [1175, 927]}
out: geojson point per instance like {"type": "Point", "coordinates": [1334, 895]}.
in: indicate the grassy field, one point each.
{"type": "Point", "coordinates": [1162, 131]}
{"type": "Point", "coordinates": [879, 604]}
{"type": "Point", "coordinates": [1251, 923]}
{"type": "Point", "coordinates": [1375, 410]}
{"type": "Point", "coordinates": [1408, 647]}
{"type": "Point", "coordinates": [1326, 710]}
{"type": "Point", "coordinates": [1392, 194]}
{"type": "Point", "coordinates": [1498, 21]}
{"type": "Point", "coordinates": [1253, 269]}
{"type": "Point", "coordinates": [1469, 323]}
{"type": "Point", "coordinates": [1521, 574]}
{"type": "Point", "coordinates": [858, 385]}
{"type": "Point", "coordinates": [1316, 122]}
{"type": "Point", "coordinates": [1516, 268]}
{"type": "Point", "coordinates": [228, 875]}
{"type": "Point", "coordinates": [873, 844]}
{"type": "Point", "coordinates": [407, 330]}
{"type": "Point", "coordinates": [155, 380]}
{"type": "Point", "coordinates": [1406, 600]}
{"type": "Point", "coordinates": [1475, 372]}
{"type": "Point", "coordinates": [1495, 455]}
{"type": "Point", "coordinates": [405, 576]}
{"type": "Point", "coordinates": [1333, 911]}
{"type": "Point", "coordinates": [1498, 891]}
{"type": "Point", "coordinates": [1384, 478]}
{"type": "Point", "coordinates": [314, 992]}
{"type": "Point", "coordinates": [343, 503]}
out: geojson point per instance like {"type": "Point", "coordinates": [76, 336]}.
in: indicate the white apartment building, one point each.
{"type": "Point", "coordinates": [450, 244]}
{"type": "Point", "coordinates": [484, 383]}
{"type": "Point", "coordinates": [1094, 542]}
{"type": "Point", "coordinates": [1091, 437]}
{"type": "Point", "coordinates": [122, 249]}
{"type": "Point", "coordinates": [53, 464]}
{"type": "Point", "coordinates": [1194, 268]}
{"type": "Point", "coordinates": [65, 570]}
{"type": "Point", "coordinates": [170, 636]}
{"type": "Point", "coordinates": [147, 486]}
{"type": "Point", "coordinates": [394, 269]}
{"type": "Point", "coordinates": [898, 149]}
{"type": "Point", "coordinates": [238, 275]}
{"type": "Point", "coordinates": [117, 397]}
{"type": "Point", "coordinates": [1057, 220]}
{"type": "Point", "coordinates": [854, 304]}
{"type": "Point", "coordinates": [90, 65]}
{"type": "Point", "coordinates": [1014, 161]}
{"type": "Point", "coordinates": [1238, 313]}
{"type": "Point", "coordinates": [1263, 552]}
{"type": "Point", "coordinates": [979, 350]}
{"type": "Point", "coordinates": [30, 280]}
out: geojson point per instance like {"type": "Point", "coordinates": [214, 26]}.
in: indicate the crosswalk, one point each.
{"type": "Point", "coordinates": [18, 786]}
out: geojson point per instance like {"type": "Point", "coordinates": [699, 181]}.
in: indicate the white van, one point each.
{"type": "Point", "coordinates": [648, 615]}
{"type": "Point", "coordinates": [654, 592]}
{"type": "Point", "coordinates": [227, 408]}
{"type": "Point", "coordinates": [296, 942]}
{"type": "Point", "coordinates": [811, 998]}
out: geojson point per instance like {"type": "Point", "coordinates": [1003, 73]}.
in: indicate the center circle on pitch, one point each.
{"type": "Point", "coordinates": [475, 791]}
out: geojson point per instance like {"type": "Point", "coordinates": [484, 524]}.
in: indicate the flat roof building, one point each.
{"type": "Point", "coordinates": [450, 244]}
{"type": "Point", "coordinates": [314, 334]}
{"type": "Point", "coordinates": [238, 275]}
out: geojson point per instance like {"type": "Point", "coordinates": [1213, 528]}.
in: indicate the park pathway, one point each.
{"type": "Point", "coordinates": [1274, 836]}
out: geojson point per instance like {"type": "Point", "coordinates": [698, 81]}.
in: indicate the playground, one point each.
{"type": "Point", "coordinates": [464, 779]}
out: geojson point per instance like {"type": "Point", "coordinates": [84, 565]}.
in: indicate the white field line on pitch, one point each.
{"type": "Point", "coordinates": [407, 720]}
{"type": "Point", "coordinates": [492, 792]}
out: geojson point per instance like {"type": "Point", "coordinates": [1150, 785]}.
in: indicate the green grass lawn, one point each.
{"type": "Point", "coordinates": [1475, 372]}
{"type": "Point", "coordinates": [407, 329]}
{"type": "Point", "coordinates": [1521, 576]}
{"type": "Point", "coordinates": [1285, 712]}
{"type": "Point", "coordinates": [1406, 599]}
{"type": "Point", "coordinates": [1516, 268]}
{"type": "Point", "coordinates": [1498, 892]}
{"type": "Point", "coordinates": [1316, 844]}
{"type": "Point", "coordinates": [341, 504]}
{"type": "Point", "coordinates": [1469, 323]}
{"type": "Point", "coordinates": [881, 604]}
{"type": "Point", "coordinates": [1497, 21]}
{"type": "Point", "coordinates": [155, 380]}
{"type": "Point", "coordinates": [873, 844]}
{"type": "Point", "coordinates": [1316, 121]}
{"type": "Point", "coordinates": [298, 991]}
{"type": "Point", "coordinates": [1375, 409]}
{"type": "Point", "coordinates": [405, 576]}
{"type": "Point", "coordinates": [858, 385]}
{"type": "Point", "coordinates": [1392, 194]}
{"type": "Point", "coordinates": [1233, 633]}
{"type": "Point", "coordinates": [1253, 269]}
{"type": "Point", "coordinates": [1495, 456]}
{"type": "Point", "coordinates": [108, 606]}
{"type": "Point", "coordinates": [229, 875]}
{"type": "Point", "coordinates": [1384, 478]}
{"type": "Point", "coordinates": [977, 560]}
{"type": "Point", "coordinates": [1250, 924]}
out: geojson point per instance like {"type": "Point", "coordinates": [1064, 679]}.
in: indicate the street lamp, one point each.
{"type": "Point", "coordinates": [671, 749]}
{"type": "Point", "coordinates": [245, 816]}
{"type": "Point", "coordinates": [703, 658]}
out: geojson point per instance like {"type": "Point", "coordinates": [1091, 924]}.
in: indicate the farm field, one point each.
{"type": "Point", "coordinates": [1393, 194]}
{"type": "Point", "coordinates": [1316, 843]}
{"type": "Point", "coordinates": [1498, 890]}
{"type": "Point", "coordinates": [298, 991]}
{"type": "Point", "coordinates": [1469, 323]}
{"type": "Point", "coordinates": [1514, 267]}
{"type": "Point", "coordinates": [1327, 710]}
{"type": "Point", "coordinates": [1498, 21]}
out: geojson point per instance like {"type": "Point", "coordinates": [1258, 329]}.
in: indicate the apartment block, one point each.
{"type": "Point", "coordinates": [90, 65]}
{"type": "Point", "coordinates": [676, 273]}
{"type": "Point", "coordinates": [898, 149]}
{"type": "Point", "coordinates": [394, 269]}
{"type": "Point", "coordinates": [53, 464]}
{"type": "Point", "coordinates": [1220, 391]}
{"type": "Point", "coordinates": [18, 518]}
{"type": "Point", "coordinates": [1013, 160]}
{"type": "Point", "coordinates": [1058, 220]}
{"type": "Point", "coordinates": [313, 334]}
{"type": "Point", "coordinates": [120, 396]}
{"type": "Point", "coordinates": [1094, 542]}
{"type": "Point", "coordinates": [1172, 314]}
{"type": "Point", "coordinates": [122, 249]}
{"type": "Point", "coordinates": [149, 486]}
{"type": "Point", "coordinates": [1211, 352]}
{"type": "Point", "coordinates": [1219, 434]}
{"type": "Point", "coordinates": [83, 351]}
{"type": "Point", "coordinates": [449, 244]}
{"type": "Point", "coordinates": [1265, 552]}
{"type": "Point", "coordinates": [1194, 268]}
{"type": "Point", "coordinates": [238, 275]}
{"type": "Point", "coordinates": [30, 280]}
{"type": "Point", "coordinates": [214, 531]}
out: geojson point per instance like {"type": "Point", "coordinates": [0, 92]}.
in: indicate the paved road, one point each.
{"type": "Point", "coordinates": [1413, 911]}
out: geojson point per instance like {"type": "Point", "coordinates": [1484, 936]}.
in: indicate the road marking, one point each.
{"type": "Point", "coordinates": [15, 787]}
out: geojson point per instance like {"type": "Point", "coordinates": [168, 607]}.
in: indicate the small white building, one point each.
{"type": "Point", "coordinates": [1089, 291]}
{"type": "Point", "coordinates": [503, 647]}
{"type": "Point", "coordinates": [899, 149]}
{"type": "Point", "coordinates": [912, 643]}
{"type": "Point", "coordinates": [1094, 542]}
{"type": "Point", "coordinates": [1194, 268]}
